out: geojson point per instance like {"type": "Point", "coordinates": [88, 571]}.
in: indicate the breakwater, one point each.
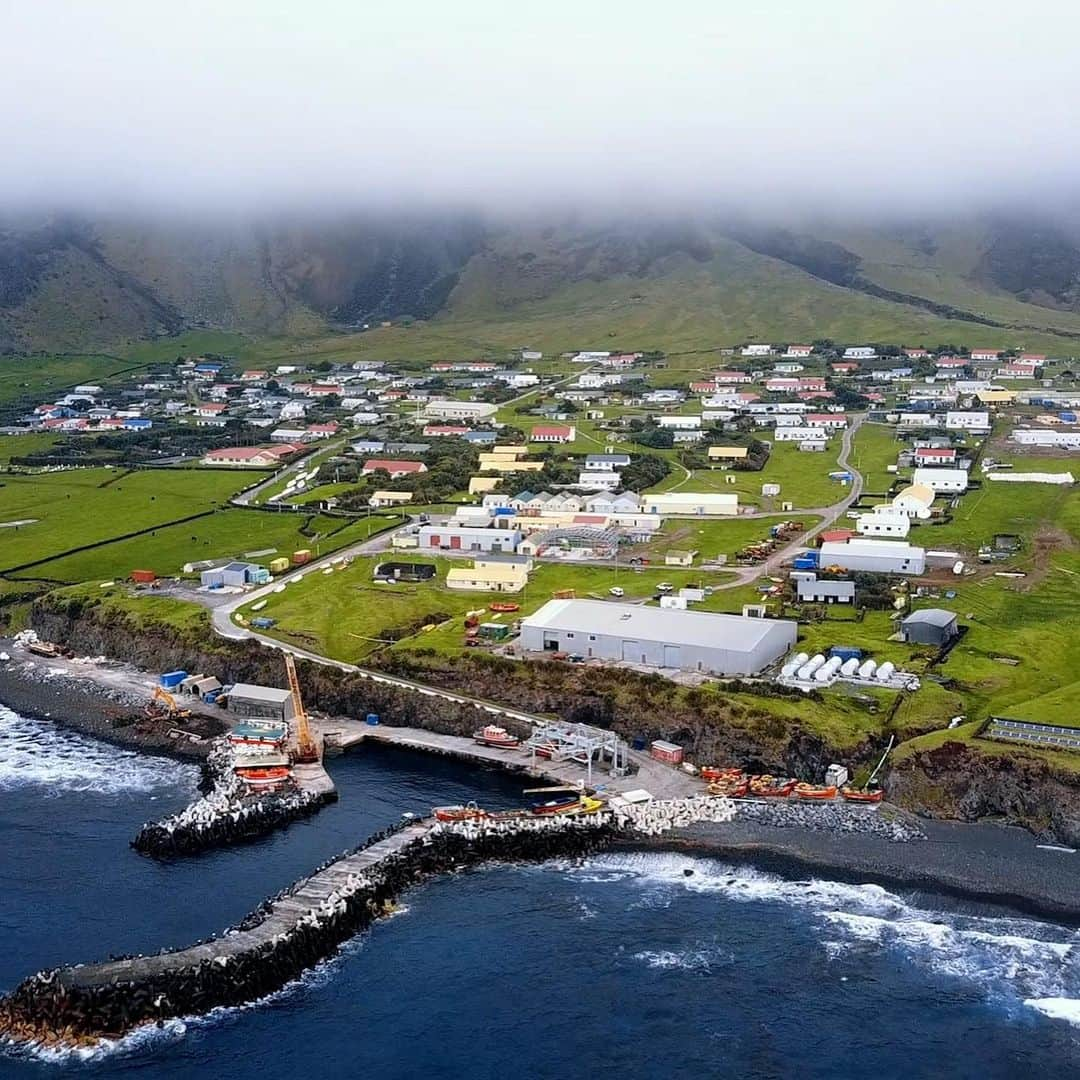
{"type": "Point", "coordinates": [226, 814]}
{"type": "Point", "coordinates": [287, 935]}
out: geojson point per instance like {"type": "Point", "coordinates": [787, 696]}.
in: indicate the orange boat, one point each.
{"type": "Point", "coordinates": [862, 796]}
{"type": "Point", "coordinates": [770, 787]}
{"type": "Point", "coordinates": [496, 736]}
{"type": "Point", "coordinates": [732, 788]}
{"type": "Point", "coordinates": [469, 812]}
{"type": "Point", "coordinates": [712, 772]}
{"type": "Point", "coordinates": [264, 776]}
{"type": "Point", "coordinates": [504, 605]}
{"type": "Point", "coordinates": [812, 791]}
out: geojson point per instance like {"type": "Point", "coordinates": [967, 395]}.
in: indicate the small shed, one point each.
{"type": "Point", "coordinates": [930, 626]}
{"type": "Point", "coordinates": [668, 752]}
{"type": "Point", "coordinates": [679, 558]}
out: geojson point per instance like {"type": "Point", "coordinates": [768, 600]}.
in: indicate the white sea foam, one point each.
{"type": "Point", "coordinates": [701, 957]}
{"type": "Point", "coordinates": [37, 753]}
{"type": "Point", "coordinates": [1005, 957]}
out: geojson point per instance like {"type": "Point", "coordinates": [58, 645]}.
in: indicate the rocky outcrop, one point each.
{"type": "Point", "coordinates": [962, 782]}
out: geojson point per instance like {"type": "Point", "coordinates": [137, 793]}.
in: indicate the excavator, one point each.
{"type": "Point", "coordinates": [307, 749]}
{"type": "Point", "coordinates": [167, 707]}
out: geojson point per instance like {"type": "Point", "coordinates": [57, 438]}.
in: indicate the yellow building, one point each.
{"type": "Point", "coordinates": [727, 453]}
{"type": "Point", "coordinates": [489, 577]}
{"type": "Point", "coordinates": [478, 485]}
{"type": "Point", "coordinates": [504, 463]}
{"type": "Point", "coordinates": [996, 397]}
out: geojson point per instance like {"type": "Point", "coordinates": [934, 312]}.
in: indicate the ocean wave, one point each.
{"type": "Point", "coordinates": [1006, 957]}
{"type": "Point", "coordinates": [38, 753]}
{"type": "Point", "coordinates": [701, 957]}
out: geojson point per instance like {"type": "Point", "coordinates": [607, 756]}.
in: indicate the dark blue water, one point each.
{"type": "Point", "coordinates": [621, 966]}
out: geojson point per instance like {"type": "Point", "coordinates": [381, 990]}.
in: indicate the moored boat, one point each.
{"type": "Point", "coordinates": [247, 734]}
{"type": "Point", "coordinates": [732, 788]}
{"type": "Point", "coordinates": [468, 812]}
{"type": "Point", "coordinates": [557, 803]}
{"type": "Point", "coordinates": [813, 791]}
{"type": "Point", "coordinates": [504, 605]}
{"type": "Point", "coordinates": [267, 776]}
{"type": "Point", "coordinates": [854, 795]}
{"type": "Point", "coordinates": [493, 735]}
{"type": "Point", "coordinates": [713, 772]}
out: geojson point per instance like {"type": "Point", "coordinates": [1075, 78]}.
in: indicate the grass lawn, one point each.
{"type": "Point", "coordinates": [803, 479]}
{"type": "Point", "coordinates": [231, 533]}
{"type": "Point", "coordinates": [31, 443]}
{"type": "Point", "coordinates": [313, 461]}
{"type": "Point", "coordinates": [144, 608]}
{"type": "Point", "coordinates": [874, 447]}
{"type": "Point", "coordinates": [343, 614]}
{"type": "Point", "coordinates": [716, 536]}
{"type": "Point", "coordinates": [82, 506]}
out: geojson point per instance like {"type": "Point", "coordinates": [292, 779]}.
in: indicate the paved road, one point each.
{"type": "Point", "coordinates": [245, 497]}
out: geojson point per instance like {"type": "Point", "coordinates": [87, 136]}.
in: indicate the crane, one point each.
{"type": "Point", "coordinates": [306, 748]}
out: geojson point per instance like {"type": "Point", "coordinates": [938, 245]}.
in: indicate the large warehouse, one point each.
{"type": "Point", "coordinates": [876, 556]}
{"type": "Point", "coordinates": [658, 637]}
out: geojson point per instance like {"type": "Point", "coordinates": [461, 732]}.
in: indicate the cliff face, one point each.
{"type": "Point", "coordinates": [957, 781]}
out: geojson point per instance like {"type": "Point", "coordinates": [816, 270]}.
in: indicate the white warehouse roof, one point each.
{"type": "Point", "coordinates": [671, 625]}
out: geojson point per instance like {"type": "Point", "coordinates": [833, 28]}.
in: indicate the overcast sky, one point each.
{"type": "Point", "coordinates": [799, 103]}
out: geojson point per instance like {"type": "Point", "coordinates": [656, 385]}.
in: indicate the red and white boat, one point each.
{"type": "Point", "coordinates": [267, 776]}
{"type": "Point", "coordinates": [812, 791]}
{"type": "Point", "coordinates": [853, 795]}
{"type": "Point", "coordinates": [493, 735]}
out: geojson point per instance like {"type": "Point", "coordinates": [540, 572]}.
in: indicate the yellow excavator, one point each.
{"type": "Point", "coordinates": [307, 750]}
{"type": "Point", "coordinates": [167, 707]}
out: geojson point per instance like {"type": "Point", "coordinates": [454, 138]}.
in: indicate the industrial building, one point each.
{"type": "Point", "coordinates": [254, 702]}
{"type": "Point", "coordinates": [930, 626]}
{"type": "Point", "coordinates": [699, 504]}
{"type": "Point", "coordinates": [488, 575]}
{"type": "Point", "coordinates": [234, 575]}
{"type": "Point", "coordinates": [809, 588]}
{"type": "Point", "coordinates": [874, 556]}
{"type": "Point", "coordinates": [468, 538]}
{"type": "Point", "coordinates": [459, 410]}
{"type": "Point", "coordinates": [658, 637]}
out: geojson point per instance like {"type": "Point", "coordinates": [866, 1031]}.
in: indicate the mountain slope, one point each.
{"type": "Point", "coordinates": [677, 285]}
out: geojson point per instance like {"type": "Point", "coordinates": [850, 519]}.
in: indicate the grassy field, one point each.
{"type": "Point", "coordinates": [343, 614]}
{"type": "Point", "coordinates": [20, 445]}
{"type": "Point", "coordinates": [874, 447]}
{"type": "Point", "coordinates": [312, 461]}
{"type": "Point", "coordinates": [803, 479]}
{"type": "Point", "coordinates": [83, 506]}
{"type": "Point", "coordinates": [719, 536]}
{"type": "Point", "coordinates": [231, 533]}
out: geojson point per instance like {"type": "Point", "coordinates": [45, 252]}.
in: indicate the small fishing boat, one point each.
{"type": "Point", "coordinates": [853, 795]}
{"type": "Point", "coordinates": [264, 777]}
{"type": "Point", "coordinates": [545, 750]}
{"type": "Point", "coordinates": [771, 787]}
{"type": "Point", "coordinates": [557, 803]}
{"type": "Point", "coordinates": [713, 772]}
{"type": "Point", "coordinates": [587, 805]}
{"type": "Point", "coordinates": [246, 734]}
{"type": "Point", "coordinates": [812, 791]}
{"type": "Point", "coordinates": [468, 812]}
{"type": "Point", "coordinates": [504, 605]}
{"type": "Point", "coordinates": [493, 735]}
{"type": "Point", "coordinates": [731, 788]}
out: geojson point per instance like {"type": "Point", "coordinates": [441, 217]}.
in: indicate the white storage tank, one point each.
{"type": "Point", "coordinates": [867, 669]}
{"type": "Point", "coordinates": [828, 670]}
{"type": "Point", "coordinates": [885, 672]}
{"type": "Point", "coordinates": [790, 668]}
{"type": "Point", "coordinates": [817, 661]}
{"type": "Point", "coordinates": [849, 667]}
{"type": "Point", "coordinates": [801, 658]}
{"type": "Point", "coordinates": [805, 672]}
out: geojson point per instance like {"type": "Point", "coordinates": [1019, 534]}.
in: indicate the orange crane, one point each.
{"type": "Point", "coordinates": [306, 748]}
{"type": "Point", "coordinates": [171, 709]}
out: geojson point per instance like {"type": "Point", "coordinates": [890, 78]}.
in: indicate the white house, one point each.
{"type": "Point", "coordinates": [860, 352]}
{"type": "Point", "coordinates": [757, 350]}
{"type": "Point", "coordinates": [984, 354]}
{"type": "Point", "coordinates": [700, 504]}
{"type": "Point", "coordinates": [945, 481]}
{"type": "Point", "coordinates": [884, 521]}
{"type": "Point", "coordinates": [788, 368]}
{"type": "Point", "coordinates": [915, 501]}
{"type": "Point", "coordinates": [967, 421]}
{"type": "Point", "coordinates": [680, 423]}
{"type": "Point", "coordinates": [1069, 440]}
{"type": "Point", "coordinates": [798, 350]}
{"type": "Point", "coordinates": [829, 421]}
{"type": "Point", "coordinates": [798, 433]}
{"type": "Point", "coordinates": [600, 481]}
{"type": "Point", "coordinates": [606, 462]}
{"type": "Point", "coordinates": [935, 455]}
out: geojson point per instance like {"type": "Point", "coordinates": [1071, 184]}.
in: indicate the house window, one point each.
{"type": "Point", "coordinates": [592, 637]}
{"type": "Point", "coordinates": [569, 635]}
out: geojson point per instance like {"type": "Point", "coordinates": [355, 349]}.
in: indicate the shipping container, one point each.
{"type": "Point", "coordinates": [807, 561]}
{"type": "Point", "coordinates": [172, 678]}
{"type": "Point", "coordinates": [143, 577]}
{"type": "Point", "coordinates": [846, 652]}
{"type": "Point", "coordinates": [278, 566]}
{"type": "Point", "coordinates": [668, 752]}
{"type": "Point", "coordinates": [495, 631]}
{"type": "Point", "coordinates": [302, 556]}
{"type": "Point", "coordinates": [1068, 417]}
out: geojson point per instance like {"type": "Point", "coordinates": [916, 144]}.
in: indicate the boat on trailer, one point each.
{"type": "Point", "coordinates": [468, 812]}
{"type": "Point", "coordinates": [499, 737]}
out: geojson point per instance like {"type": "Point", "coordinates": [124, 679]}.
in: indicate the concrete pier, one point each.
{"type": "Point", "coordinates": [662, 781]}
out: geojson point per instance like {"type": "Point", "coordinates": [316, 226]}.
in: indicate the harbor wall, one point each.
{"type": "Point", "coordinates": [286, 936]}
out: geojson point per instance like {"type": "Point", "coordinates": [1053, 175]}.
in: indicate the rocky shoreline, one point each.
{"type": "Point", "coordinates": [986, 862]}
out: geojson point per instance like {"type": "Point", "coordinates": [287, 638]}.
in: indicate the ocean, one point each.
{"type": "Point", "coordinates": [631, 964]}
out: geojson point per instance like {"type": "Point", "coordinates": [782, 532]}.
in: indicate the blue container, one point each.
{"type": "Point", "coordinates": [504, 511]}
{"type": "Point", "coordinates": [172, 678]}
{"type": "Point", "coordinates": [807, 561]}
{"type": "Point", "coordinates": [845, 652]}
{"type": "Point", "coordinates": [212, 697]}
{"type": "Point", "coordinates": [638, 744]}
{"type": "Point", "coordinates": [372, 719]}
{"type": "Point", "coordinates": [1068, 417]}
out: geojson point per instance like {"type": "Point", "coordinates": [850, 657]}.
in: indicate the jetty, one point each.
{"type": "Point", "coordinates": [82, 1004]}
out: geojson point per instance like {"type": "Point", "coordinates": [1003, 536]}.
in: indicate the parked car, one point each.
{"type": "Point", "coordinates": [664, 587]}
{"type": "Point", "coordinates": [616, 591]}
